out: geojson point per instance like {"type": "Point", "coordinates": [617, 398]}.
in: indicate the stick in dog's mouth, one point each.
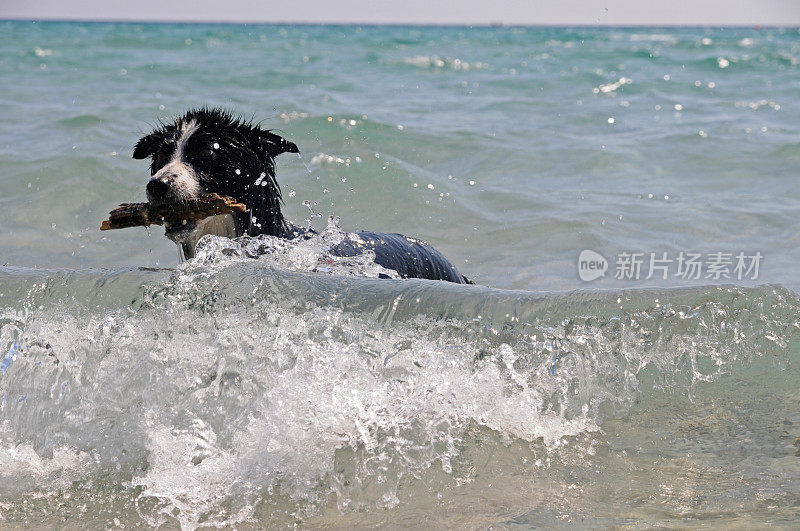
{"type": "Point", "coordinates": [177, 218]}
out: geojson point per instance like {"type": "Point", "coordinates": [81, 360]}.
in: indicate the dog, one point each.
{"type": "Point", "coordinates": [210, 150]}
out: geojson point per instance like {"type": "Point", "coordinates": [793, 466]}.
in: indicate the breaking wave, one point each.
{"type": "Point", "coordinates": [242, 387]}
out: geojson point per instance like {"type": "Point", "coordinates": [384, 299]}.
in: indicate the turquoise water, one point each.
{"type": "Point", "coordinates": [230, 390]}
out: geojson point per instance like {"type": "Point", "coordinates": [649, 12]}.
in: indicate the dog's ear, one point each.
{"type": "Point", "coordinates": [147, 146]}
{"type": "Point", "coordinates": [274, 145]}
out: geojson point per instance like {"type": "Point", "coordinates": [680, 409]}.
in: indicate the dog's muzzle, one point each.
{"type": "Point", "coordinates": [173, 183]}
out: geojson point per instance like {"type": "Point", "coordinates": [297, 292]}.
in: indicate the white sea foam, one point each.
{"type": "Point", "coordinates": [308, 253]}
{"type": "Point", "coordinates": [443, 63]}
{"type": "Point", "coordinates": [234, 382]}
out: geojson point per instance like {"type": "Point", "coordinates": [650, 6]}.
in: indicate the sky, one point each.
{"type": "Point", "coordinates": [508, 12]}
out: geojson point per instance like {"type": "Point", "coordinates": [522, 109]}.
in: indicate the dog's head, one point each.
{"type": "Point", "coordinates": [212, 151]}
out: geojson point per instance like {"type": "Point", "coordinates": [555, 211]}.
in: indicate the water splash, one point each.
{"type": "Point", "coordinates": [311, 252]}
{"type": "Point", "coordinates": [305, 165]}
{"type": "Point", "coordinates": [234, 382]}
{"type": "Point", "coordinates": [310, 220]}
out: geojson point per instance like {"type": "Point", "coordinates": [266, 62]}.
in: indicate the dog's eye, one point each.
{"type": "Point", "coordinates": [208, 152]}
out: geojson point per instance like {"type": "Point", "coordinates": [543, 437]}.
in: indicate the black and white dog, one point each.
{"type": "Point", "coordinates": [212, 151]}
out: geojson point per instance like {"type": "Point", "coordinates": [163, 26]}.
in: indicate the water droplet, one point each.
{"type": "Point", "coordinates": [299, 156]}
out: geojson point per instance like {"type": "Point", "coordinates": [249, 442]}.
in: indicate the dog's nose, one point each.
{"type": "Point", "coordinates": [157, 188]}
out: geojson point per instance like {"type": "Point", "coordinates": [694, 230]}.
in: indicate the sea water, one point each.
{"type": "Point", "coordinates": [266, 382]}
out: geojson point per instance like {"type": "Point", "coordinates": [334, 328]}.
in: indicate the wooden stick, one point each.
{"type": "Point", "coordinates": [145, 214]}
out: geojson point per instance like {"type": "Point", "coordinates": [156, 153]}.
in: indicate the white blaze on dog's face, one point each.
{"type": "Point", "coordinates": [177, 180]}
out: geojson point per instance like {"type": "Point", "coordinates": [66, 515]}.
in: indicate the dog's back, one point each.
{"type": "Point", "coordinates": [411, 258]}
